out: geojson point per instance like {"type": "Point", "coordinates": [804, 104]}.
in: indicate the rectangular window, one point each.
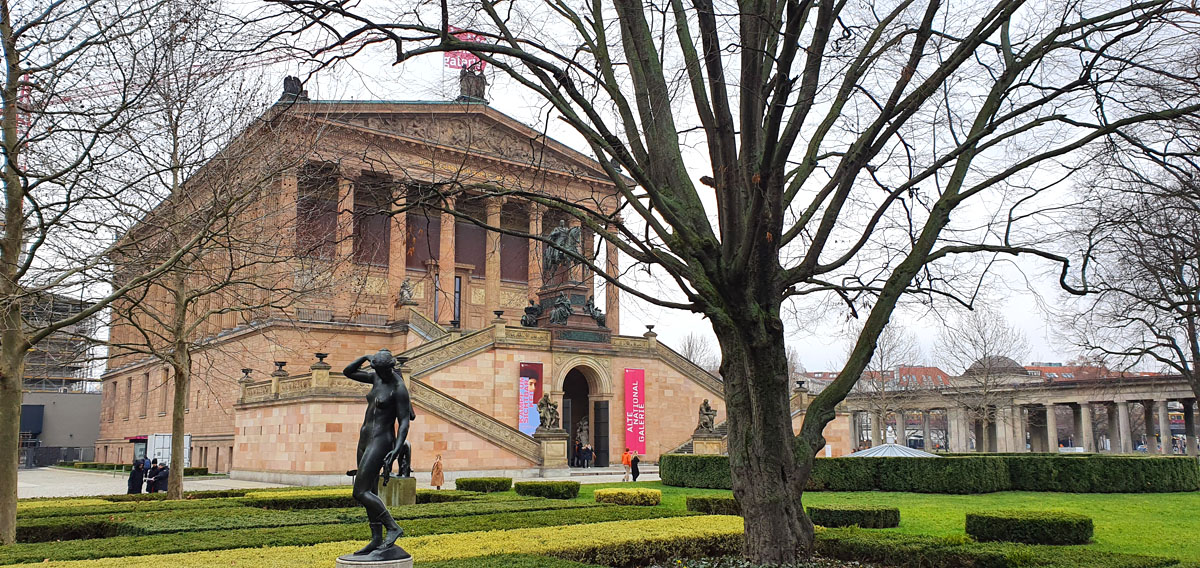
{"type": "Point", "coordinates": [424, 237]}
{"type": "Point", "coordinates": [372, 224]}
{"type": "Point", "coordinates": [145, 402]}
{"type": "Point", "coordinates": [165, 391]}
{"type": "Point", "coordinates": [317, 210]}
{"type": "Point", "coordinates": [128, 396]}
{"type": "Point", "coordinates": [470, 244]}
{"type": "Point", "coordinates": [458, 300]}
{"type": "Point", "coordinates": [514, 258]}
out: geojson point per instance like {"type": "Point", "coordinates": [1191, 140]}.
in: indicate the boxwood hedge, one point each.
{"type": "Point", "coordinates": [483, 484]}
{"type": "Point", "coordinates": [639, 497]}
{"type": "Point", "coordinates": [713, 504]}
{"type": "Point", "coordinates": [1030, 527]}
{"type": "Point", "coordinates": [548, 489]}
{"type": "Point", "coordinates": [864, 516]}
{"type": "Point", "coordinates": [964, 474]}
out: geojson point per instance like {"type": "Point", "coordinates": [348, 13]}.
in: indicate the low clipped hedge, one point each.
{"type": "Point", "coordinates": [912, 551]}
{"type": "Point", "coordinates": [863, 516]}
{"type": "Point", "coordinates": [210, 494]}
{"type": "Point", "coordinates": [713, 504]}
{"type": "Point", "coordinates": [307, 535]}
{"type": "Point", "coordinates": [444, 496]}
{"type": "Point", "coordinates": [689, 470]}
{"type": "Point", "coordinates": [52, 529]}
{"type": "Point", "coordinates": [548, 489]}
{"type": "Point", "coordinates": [639, 497]}
{"type": "Point", "coordinates": [289, 502]}
{"type": "Point", "coordinates": [1030, 527]}
{"type": "Point", "coordinates": [483, 484]}
{"type": "Point", "coordinates": [963, 474]}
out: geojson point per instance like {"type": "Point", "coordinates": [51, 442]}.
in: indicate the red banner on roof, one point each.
{"type": "Point", "coordinates": [463, 59]}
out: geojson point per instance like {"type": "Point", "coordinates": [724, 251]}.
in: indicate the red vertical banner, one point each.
{"type": "Point", "coordinates": [528, 392]}
{"type": "Point", "coordinates": [635, 410]}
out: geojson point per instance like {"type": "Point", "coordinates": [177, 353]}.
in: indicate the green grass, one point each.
{"type": "Point", "coordinates": [1162, 524]}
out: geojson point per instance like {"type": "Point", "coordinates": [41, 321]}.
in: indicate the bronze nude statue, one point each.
{"type": "Point", "coordinates": [381, 441]}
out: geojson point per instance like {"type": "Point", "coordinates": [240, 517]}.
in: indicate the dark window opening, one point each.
{"type": "Point", "coordinates": [514, 258]}
{"type": "Point", "coordinates": [458, 299]}
{"type": "Point", "coordinates": [317, 210]}
{"type": "Point", "coordinates": [470, 246]}
{"type": "Point", "coordinates": [372, 223]}
{"type": "Point", "coordinates": [423, 242]}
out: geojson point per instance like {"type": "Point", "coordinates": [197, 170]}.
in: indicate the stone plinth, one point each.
{"type": "Point", "coordinates": [579, 327]}
{"type": "Point", "coordinates": [393, 557]}
{"type": "Point", "coordinates": [398, 491]}
{"type": "Point", "coordinates": [554, 449]}
{"type": "Point", "coordinates": [707, 443]}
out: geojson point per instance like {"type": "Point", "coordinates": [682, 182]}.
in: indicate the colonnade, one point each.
{"type": "Point", "coordinates": [1035, 427]}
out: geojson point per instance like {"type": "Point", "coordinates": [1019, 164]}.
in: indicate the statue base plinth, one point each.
{"type": "Point", "coordinates": [554, 448]}
{"type": "Point", "coordinates": [707, 443]}
{"type": "Point", "coordinates": [579, 326]}
{"type": "Point", "coordinates": [398, 491]}
{"type": "Point", "coordinates": [392, 557]}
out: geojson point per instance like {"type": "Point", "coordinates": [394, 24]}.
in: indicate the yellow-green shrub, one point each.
{"type": "Point", "coordinates": [617, 496]}
{"type": "Point", "coordinates": [619, 543]}
{"type": "Point", "coordinates": [48, 503]}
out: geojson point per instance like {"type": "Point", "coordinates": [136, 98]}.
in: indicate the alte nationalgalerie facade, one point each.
{"type": "Point", "coordinates": [299, 422]}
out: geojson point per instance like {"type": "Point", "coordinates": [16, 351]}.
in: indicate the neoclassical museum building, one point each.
{"type": "Point", "coordinates": [446, 295]}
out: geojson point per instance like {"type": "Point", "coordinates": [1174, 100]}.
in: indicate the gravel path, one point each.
{"type": "Point", "coordinates": [57, 482]}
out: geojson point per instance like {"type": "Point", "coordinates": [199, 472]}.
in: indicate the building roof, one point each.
{"type": "Point", "coordinates": [891, 451]}
{"type": "Point", "coordinates": [995, 364]}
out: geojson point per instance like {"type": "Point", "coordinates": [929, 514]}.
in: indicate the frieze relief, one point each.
{"type": "Point", "coordinates": [532, 337]}
{"type": "Point", "coordinates": [513, 299]}
{"type": "Point", "coordinates": [478, 296]}
{"type": "Point", "coordinates": [471, 135]}
{"type": "Point", "coordinates": [630, 343]}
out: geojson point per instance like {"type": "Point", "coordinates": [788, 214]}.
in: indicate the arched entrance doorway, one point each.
{"type": "Point", "coordinates": [584, 419]}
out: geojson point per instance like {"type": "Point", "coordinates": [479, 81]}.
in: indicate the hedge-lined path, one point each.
{"type": "Point", "coordinates": [61, 482]}
{"type": "Point", "coordinates": [1156, 524]}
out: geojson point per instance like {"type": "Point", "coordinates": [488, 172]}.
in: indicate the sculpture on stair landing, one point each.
{"type": "Point", "coordinates": [548, 413]}
{"type": "Point", "coordinates": [562, 310]}
{"type": "Point", "coordinates": [708, 418]}
{"type": "Point", "coordinates": [532, 313]}
{"type": "Point", "coordinates": [380, 444]}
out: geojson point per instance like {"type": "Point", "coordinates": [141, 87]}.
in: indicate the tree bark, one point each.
{"type": "Point", "coordinates": [13, 341]}
{"type": "Point", "coordinates": [181, 367]}
{"type": "Point", "coordinates": [767, 481]}
{"type": "Point", "coordinates": [12, 367]}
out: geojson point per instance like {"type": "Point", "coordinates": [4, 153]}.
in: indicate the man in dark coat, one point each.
{"type": "Point", "coordinates": [150, 474]}
{"type": "Point", "coordinates": [160, 479]}
{"type": "Point", "coordinates": [136, 476]}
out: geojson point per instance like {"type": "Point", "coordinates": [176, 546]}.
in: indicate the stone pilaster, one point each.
{"type": "Point", "coordinates": [1086, 431]}
{"type": "Point", "coordinates": [491, 283]}
{"type": "Point", "coordinates": [1123, 423]}
{"type": "Point", "coordinates": [446, 268]}
{"type": "Point", "coordinates": [1164, 426]}
{"type": "Point", "coordinates": [1051, 429]}
{"type": "Point", "coordinates": [535, 250]}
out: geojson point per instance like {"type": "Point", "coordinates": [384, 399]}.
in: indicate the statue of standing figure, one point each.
{"type": "Point", "coordinates": [582, 429]}
{"type": "Point", "coordinates": [381, 441]}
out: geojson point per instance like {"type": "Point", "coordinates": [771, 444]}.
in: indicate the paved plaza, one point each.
{"type": "Point", "coordinates": [59, 482]}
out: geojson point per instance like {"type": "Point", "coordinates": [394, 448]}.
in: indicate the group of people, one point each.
{"type": "Point", "coordinates": [630, 461]}
{"type": "Point", "coordinates": [149, 473]}
{"type": "Point", "coordinates": [583, 455]}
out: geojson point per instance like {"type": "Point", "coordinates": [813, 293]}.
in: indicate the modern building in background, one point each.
{"type": "Point", "coordinates": [61, 406]}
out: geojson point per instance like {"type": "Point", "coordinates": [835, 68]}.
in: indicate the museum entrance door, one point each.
{"type": "Point", "coordinates": [575, 415]}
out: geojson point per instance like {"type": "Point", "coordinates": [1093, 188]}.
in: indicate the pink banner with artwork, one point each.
{"type": "Point", "coordinates": [635, 410]}
{"type": "Point", "coordinates": [528, 392]}
{"type": "Point", "coordinates": [463, 59]}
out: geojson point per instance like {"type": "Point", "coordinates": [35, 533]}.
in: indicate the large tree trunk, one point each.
{"type": "Point", "coordinates": [181, 365]}
{"type": "Point", "coordinates": [766, 479]}
{"type": "Point", "coordinates": [12, 367]}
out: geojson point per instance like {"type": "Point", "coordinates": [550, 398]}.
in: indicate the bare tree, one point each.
{"type": "Point", "coordinates": [984, 350]}
{"type": "Point", "coordinates": [1143, 243]}
{"type": "Point", "coordinates": [881, 385]}
{"type": "Point", "coordinates": [71, 84]}
{"type": "Point", "coordinates": [696, 348]}
{"type": "Point", "coordinates": [215, 165]}
{"type": "Point", "coordinates": [841, 139]}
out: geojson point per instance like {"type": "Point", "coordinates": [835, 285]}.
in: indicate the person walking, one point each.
{"type": "Point", "coordinates": [633, 466]}
{"type": "Point", "coordinates": [437, 478]}
{"type": "Point", "coordinates": [588, 454]}
{"type": "Point", "coordinates": [137, 476]}
{"type": "Point", "coordinates": [577, 455]}
{"type": "Point", "coordinates": [149, 477]}
{"type": "Point", "coordinates": [626, 461]}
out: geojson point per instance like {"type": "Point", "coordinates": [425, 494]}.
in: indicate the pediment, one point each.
{"type": "Point", "coordinates": [477, 130]}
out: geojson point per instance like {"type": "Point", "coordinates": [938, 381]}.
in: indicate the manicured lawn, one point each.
{"type": "Point", "coordinates": [1162, 524]}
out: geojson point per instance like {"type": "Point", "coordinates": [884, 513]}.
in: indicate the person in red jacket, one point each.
{"type": "Point", "coordinates": [626, 460]}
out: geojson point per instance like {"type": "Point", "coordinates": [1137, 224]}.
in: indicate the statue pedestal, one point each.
{"type": "Point", "coordinates": [398, 491]}
{"type": "Point", "coordinates": [707, 443]}
{"type": "Point", "coordinates": [579, 326]}
{"type": "Point", "coordinates": [554, 451]}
